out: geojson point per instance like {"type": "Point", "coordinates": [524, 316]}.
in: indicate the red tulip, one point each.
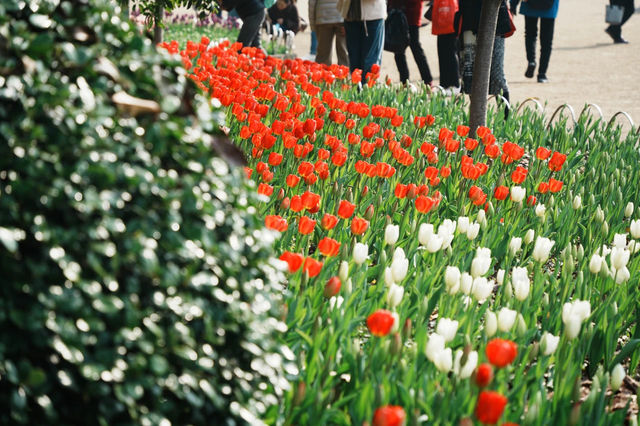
{"type": "Point", "coordinates": [555, 185]}
{"type": "Point", "coordinates": [477, 195]}
{"type": "Point", "coordinates": [311, 266]}
{"type": "Point", "coordinates": [276, 223]}
{"type": "Point", "coordinates": [501, 352]}
{"type": "Point", "coordinates": [531, 200]}
{"type": "Point", "coordinates": [462, 131]}
{"type": "Point", "coordinates": [292, 180]}
{"type": "Point", "coordinates": [556, 161]}
{"type": "Point", "coordinates": [543, 153]}
{"type": "Point", "coordinates": [389, 415]}
{"type": "Point", "coordinates": [401, 190]}
{"type": "Point", "coordinates": [380, 322]}
{"type": "Point", "coordinates": [519, 174]}
{"type": "Point", "coordinates": [359, 226]}
{"type": "Point", "coordinates": [501, 192]}
{"type": "Point", "coordinates": [346, 209]}
{"type": "Point", "coordinates": [310, 200]}
{"type": "Point", "coordinates": [328, 221]}
{"type": "Point", "coordinates": [306, 225]}
{"type": "Point", "coordinates": [483, 375]}
{"type": "Point", "coordinates": [329, 247]}
{"type": "Point", "coordinates": [492, 151]}
{"type": "Point", "coordinates": [332, 287]}
{"type": "Point", "coordinates": [490, 406]}
{"type": "Point", "coordinates": [470, 144]}
{"type": "Point", "coordinates": [294, 260]}
{"type": "Point", "coordinates": [424, 204]}
{"type": "Point", "coordinates": [265, 189]}
{"type": "Point", "coordinates": [305, 168]}
{"type": "Point", "coordinates": [543, 187]}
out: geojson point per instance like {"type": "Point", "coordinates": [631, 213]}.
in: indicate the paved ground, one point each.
{"type": "Point", "coordinates": [585, 66]}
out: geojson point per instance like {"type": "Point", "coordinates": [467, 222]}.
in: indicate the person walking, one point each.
{"type": "Point", "coordinates": [327, 23]}
{"type": "Point", "coordinates": [546, 12]}
{"type": "Point", "coordinates": [252, 13]}
{"type": "Point", "coordinates": [364, 28]}
{"type": "Point", "coordinates": [413, 11]}
{"type": "Point", "coordinates": [615, 31]}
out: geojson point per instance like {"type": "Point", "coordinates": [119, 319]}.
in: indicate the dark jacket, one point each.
{"type": "Point", "coordinates": [411, 8]}
{"type": "Point", "coordinates": [468, 18]}
{"type": "Point", "coordinates": [243, 7]}
{"type": "Point", "coordinates": [289, 16]}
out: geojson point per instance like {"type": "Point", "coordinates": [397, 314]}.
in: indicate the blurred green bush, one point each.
{"type": "Point", "coordinates": [136, 284]}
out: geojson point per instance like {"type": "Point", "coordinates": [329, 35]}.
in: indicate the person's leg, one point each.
{"type": "Point", "coordinates": [324, 35]}
{"type": "Point", "coordinates": [374, 42]}
{"type": "Point", "coordinates": [530, 36]}
{"type": "Point", "coordinates": [546, 40]}
{"type": "Point", "coordinates": [448, 61]}
{"type": "Point", "coordinates": [249, 33]}
{"type": "Point", "coordinates": [418, 55]}
{"type": "Point", "coordinates": [354, 38]}
{"type": "Point", "coordinates": [497, 80]}
{"type": "Point", "coordinates": [401, 64]}
{"type": "Point", "coordinates": [313, 49]}
{"type": "Point", "coordinates": [341, 45]}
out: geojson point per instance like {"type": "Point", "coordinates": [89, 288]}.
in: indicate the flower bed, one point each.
{"type": "Point", "coordinates": [434, 277]}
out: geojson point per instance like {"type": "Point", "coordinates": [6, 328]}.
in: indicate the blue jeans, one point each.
{"type": "Point", "coordinates": [314, 44]}
{"type": "Point", "coordinates": [365, 40]}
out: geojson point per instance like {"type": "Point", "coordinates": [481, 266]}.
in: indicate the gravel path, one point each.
{"type": "Point", "coordinates": [585, 67]}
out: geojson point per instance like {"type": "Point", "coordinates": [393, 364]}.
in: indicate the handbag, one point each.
{"type": "Point", "coordinates": [613, 14]}
{"type": "Point", "coordinates": [443, 15]}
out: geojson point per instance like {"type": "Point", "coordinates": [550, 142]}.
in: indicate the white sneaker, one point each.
{"type": "Point", "coordinates": [309, 57]}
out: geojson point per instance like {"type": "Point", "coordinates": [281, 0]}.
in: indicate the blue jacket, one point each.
{"type": "Point", "coordinates": [525, 10]}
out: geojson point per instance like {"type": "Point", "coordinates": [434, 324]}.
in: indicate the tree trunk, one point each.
{"type": "Point", "coordinates": [482, 65]}
{"type": "Point", "coordinates": [157, 22]}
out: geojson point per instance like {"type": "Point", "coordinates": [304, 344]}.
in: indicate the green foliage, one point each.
{"type": "Point", "coordinates": [136, 280]}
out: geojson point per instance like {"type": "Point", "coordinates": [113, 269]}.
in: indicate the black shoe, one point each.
{"type": "Point", "coordinates": [530, 69]}
{"type": "Point", "coordinates": [608, 31]}
{"type": "Point", "coordinates": [620, 40]}
{"type": "Point", "coordinates": [542, 78]}
{"type": "Point", "coordinates": [616, 38]}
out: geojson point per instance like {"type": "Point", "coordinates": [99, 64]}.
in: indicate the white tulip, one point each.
{"type": "Point", "coordinates": [434, 244]}
{"type": "Point", "coordinates": [482, 288]}
{"type": "Point", "coordinates": [394, 296]}
{"type": "Point", "coordinates": [617, 376]}
{"type": "Point", "coordinates": [520, 282]}
{"type": "Point", "coordinates": [577, 202]}
{"type": "Point", "coordinates": [447, 226]}
{"type": "Point", "coordinates": [540, 210]}
{"type": "Point", "coordinates": [452, 279]}
{"type": "Point", "coordinates": [621, 275]}
{"type": "Point", "coordinates": [396, 322]}
{"type": "Point", "coordinates": [506, 319]}
{"type": "Point", "coordinates": [605, 251]}
{"type": "Point", "coordinates": [572, 327]}
{"type": "Point", "coordinates": [465, 371]}
{"type": "Point", "coordinates": [500, 276]}
{"type": "Point", "coordinates": [634, 227]}
{"type": "Point", "coordinates": [388, 276]}
{"type": "Point", "coordinates": [542, 249]}
{"type": "Point", "coordinates": [549, 343]}
{"type": "Point", "coordinates": [481, 216]}
{"type": "Point", "coordinates": [391, 234]}
{"type": "Point", "coordinates": [348, 287]}
{"type": "Point", "coordinates": [399, 269]}
{"type": "Point", "coordinates": [398, 253]}
{"type": "Point", "coordinates": [517, 193]}
{"type": "Point", "coordinates": [360, 253]}
{"type": "Point", "coordinates": [599, 214]}
{"type": "Point", "coordinates": [595, 264]}
{"type": "Point", "coordinates": [463, 224]}
{"type": "Point", "coordinates": [343, 272]}
{"type": "Point", "coordinates": [447, 328]}
{"type": "Point", "coordinates": [490, 323]}
{"type": "Point", "coordinates": [481, 263]}
{"type": "Point", "coordinates": [628, 210]}
{"type": "Point", "coordinates": [620, 240]}
{"type": "Point", "coordinates": [444, 360]}
{"type": "Point", "coordinates": [435, 344]}
{"type": "Point", "coordinates": [466, 282]}
{"type": "Point", "coordinates": [336, 302]}
{"type": "Point", "coordinates": [573, 315]}
{"type": "Point", "coordinates": [619, 257]}
{"type": "Point", "coordinates": [515, 245]}
{"type": "Point", "coordinates": [424, 233]}
{"type": "Point", "coordinates": [529, 236]}
{"type": "Point", "coordinates": [472, 230]}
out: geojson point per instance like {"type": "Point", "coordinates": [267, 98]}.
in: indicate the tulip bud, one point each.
{"type": "Point", "coordinates": [406, 328]}
{"type": "Point", "coordinates": [452, 279]}
{"type": "Point", "coordinates": [520, 282]}
{"type": "Point", "coordinates": [473, 230]}
{"type": "Point", "coordinates": [368, 213]}
{"type": "Point", "coordinates": [628, 210]}
{"type": "Point", "coordinates": [466, 282]}
{"type": "Point", "coordinates": [599, 214]}
{"type": "Point", "coordinates": [396, 344]}
{"type": "Point", "coordinates": [391, 234]}
{"type": "Point", "coordinates": [285, 203]}
{"type": "Point", "coordinates": [500, 276]}
{"type": "Point", "coordinates": [521, 326]}
{"type": "Point", "coordinates": [577, 202]}
{"type": "Point", "coordinates": [364, 192]}
{"type": "Point", "coordinates": [604, 268]}
{"type": "Point", "coordinates": [534, 409]}
{"type": "Point", "coordinates": [348, 287]}
{"type": "Point", "coordinates": [549, 343]}
{"type": "Point", "coordinates": [388, 277]}
{"type": "Point", "coordinates": [540, 210]}
{"type": "Point", "coordinates": [332, 287]}
{"type": "Point", "coordinates": [490, 323]}
{"type": "Point", "coordinates": [595, 264]}
{"type": "Point", "coordinates": [481, 217]}
{"type": "Point", "coordinates": [528, 237]}
{"type": "Point", "coordinates": [506, 319]}
{"type": "Point", "coordinates": [360, 253]}
{"type": "Point", "coordinates": [580, 254]}
{"type": "Point", "coordinates": [343, 272]}
{"type": "Point", "coordinates": [299, 393]}
{"type": "Point", "coordinates": [545, 299]}
{"type": "Point", "coordinates": [349, 196]}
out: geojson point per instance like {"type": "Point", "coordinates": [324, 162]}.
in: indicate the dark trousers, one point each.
{"type": "Point", "coordinates": [249, 34]}
{"type": "Point", "coordinates": [629, 9]}
{"type": "Point", "coordinates": [364, 44]}
{"type": "Point", "coordinates": [418, 55]}
{"type": "Point", "coordinates": [546, 40]}
{"type": "Point", "coordinates": [448, 60]}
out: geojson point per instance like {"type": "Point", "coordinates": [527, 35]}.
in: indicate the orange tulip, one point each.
{"type": "Point", "coordinates": [329, 247]}
{"type": "Point", "coordinates": [306, 225]}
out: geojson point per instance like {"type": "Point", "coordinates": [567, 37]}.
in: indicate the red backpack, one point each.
{"type": "Point", "coordinates": [442, 16]}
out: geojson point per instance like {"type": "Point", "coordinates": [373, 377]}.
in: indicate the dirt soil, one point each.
{"type": "Point", "coordinates": [585, 66]}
